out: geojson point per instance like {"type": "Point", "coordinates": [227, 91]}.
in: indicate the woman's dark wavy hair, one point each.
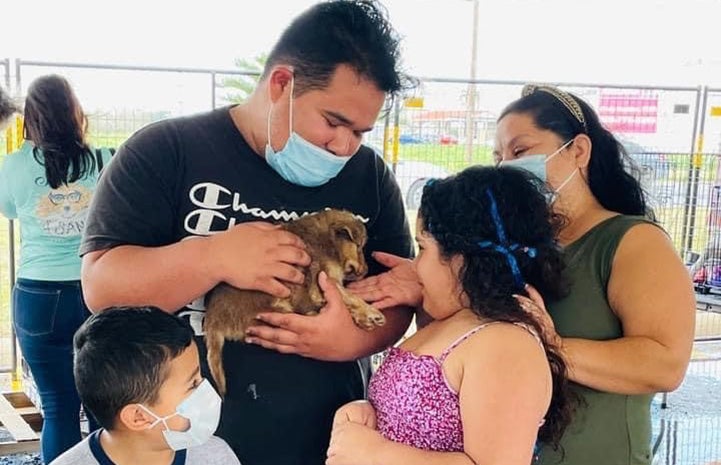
{"type": "Point", "coordinates": [612, 175]}
{"type": "Point", "coordinates": [56, 124]}
{"type": "Point", "coordinates": [457, 212]}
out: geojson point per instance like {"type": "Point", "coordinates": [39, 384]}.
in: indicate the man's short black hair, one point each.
{"type": "Point", "coordinates": [356, 33]}
{"type": "Point", "coordinates": [122, 357]}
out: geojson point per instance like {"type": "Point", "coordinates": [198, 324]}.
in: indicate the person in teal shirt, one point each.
{"type": "Point", "coordinates": [47, 185]}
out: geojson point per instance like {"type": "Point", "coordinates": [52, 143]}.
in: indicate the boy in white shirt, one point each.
{"type": "Point", "coordinates": [137, 372]}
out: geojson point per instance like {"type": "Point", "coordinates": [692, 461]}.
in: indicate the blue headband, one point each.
{"type": "Point", "coordinates": [502, 246]}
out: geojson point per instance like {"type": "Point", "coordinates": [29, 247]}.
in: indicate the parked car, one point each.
{"type": "Point", "coordinates": [653, 165]}
{"type": "Point", "coordinates": [409, 139]}
{"type": "Point", "coordinates": [447, 139]}
{"type": "Point", "coordinates": [412, 176]}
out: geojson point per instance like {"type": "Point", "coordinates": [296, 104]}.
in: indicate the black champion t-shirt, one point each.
{"type": "Point", "coordinates": [196, 175]}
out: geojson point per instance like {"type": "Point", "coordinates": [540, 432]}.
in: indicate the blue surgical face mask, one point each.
{"type": "Point", "coordinates": [301, 162]}
{"type": "Point", "coordinates": [536, 164]}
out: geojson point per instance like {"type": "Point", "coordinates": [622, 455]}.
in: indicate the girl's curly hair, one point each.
{"type": "Point", "coordinates": [464, 213]}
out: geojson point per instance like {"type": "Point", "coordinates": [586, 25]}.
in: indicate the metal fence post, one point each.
{"type": "Point", "coordinates": [695, 164]}
{"type": "Point", "coordinates": [6, 64]}
{"type": "Point", "coordinates": [212, 90]}
{"type": "Point", "coordinates": [11, 248]}
{"type": "Point", "coordinates": [18, 78]}
{"type": "Point", "coordinates": [386, 133]}
{"type": "Point", "coordinates": [471, 104]}
{"type": "Point", "coordinates": [396, 131]}
{"type": "Point", "coordinates": [687, 199]}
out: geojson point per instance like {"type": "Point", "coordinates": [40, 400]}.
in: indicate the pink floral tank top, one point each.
{"type": "Point", "coordinates": [414, 403]}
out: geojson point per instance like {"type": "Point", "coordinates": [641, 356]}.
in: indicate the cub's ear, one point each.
{"type": "Point", "coordinates": [343, 232]}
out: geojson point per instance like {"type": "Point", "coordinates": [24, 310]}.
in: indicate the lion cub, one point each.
{"type": "Point", "coordinates": [334, 241]}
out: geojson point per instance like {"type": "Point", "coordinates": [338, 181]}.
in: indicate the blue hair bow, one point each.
{"type": "Point", "coordinates": [502, 246]}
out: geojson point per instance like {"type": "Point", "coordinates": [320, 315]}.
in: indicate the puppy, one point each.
{"type": "Point", "coordinates": [334, 240]}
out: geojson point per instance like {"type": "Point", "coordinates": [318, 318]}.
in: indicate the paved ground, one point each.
{"type": "Point", "coordinates": [690, 427]}
{"type": "Point", "coordinates": [21, 459]}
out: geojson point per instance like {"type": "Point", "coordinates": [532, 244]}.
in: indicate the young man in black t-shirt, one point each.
{"type": "Point", "coordinates": [189, 202]}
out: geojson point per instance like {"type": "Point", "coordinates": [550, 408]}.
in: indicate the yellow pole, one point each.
{"type": "Point", "coordinates": [396, 143]}
{"type": "Point", "coordinates": [396, 132]}
{"type": "Point", "coordinates": [19, 132]}
{"type": "Point", "coordinates": [386, 135]}
{"type": "Point", "coordinates": [14, 135]}
{"type": "Point", "coordinates": [16, 385]}
{"type": "Point", "coordinates": [9, 133]}
{"type": "Point", "coordinates": [698, 156]}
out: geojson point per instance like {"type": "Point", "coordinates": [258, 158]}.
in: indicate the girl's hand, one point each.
{"type": "Point", "coordinates": [353, 444]}
{"type": "Point", "coordinates": [360, 411]}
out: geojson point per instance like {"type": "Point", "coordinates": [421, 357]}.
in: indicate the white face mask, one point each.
{"type": "Point", "coordinates": [202, 408]}
{"type": "Point", "coordinates": [567, 180]}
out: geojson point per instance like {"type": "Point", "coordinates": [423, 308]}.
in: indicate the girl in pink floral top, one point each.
{"type": "Point", "coordinates": [479, 384]}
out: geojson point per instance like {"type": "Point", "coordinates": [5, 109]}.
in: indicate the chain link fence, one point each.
{"type": "Point", "coordinates": [672, 134]}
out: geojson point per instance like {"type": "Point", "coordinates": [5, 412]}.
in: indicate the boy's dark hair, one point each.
{"type": "Point", "coordinates": [122, 357]}
{"type": "Point", "coordinates": [356, 33]}
{"type": "Point", "coordinates": [459, 213]}
{"type": "Point", "coordinates": [56, 123]}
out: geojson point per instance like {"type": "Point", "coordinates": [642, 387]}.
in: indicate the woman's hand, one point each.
{"type": "Point", "coordinates": [534, 305]}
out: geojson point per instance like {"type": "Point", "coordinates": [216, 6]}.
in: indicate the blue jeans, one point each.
{"type": "Point", "coordinates": [46, 315]}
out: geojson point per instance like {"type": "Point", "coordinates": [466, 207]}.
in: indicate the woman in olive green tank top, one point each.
{"type": "Point", "coordinates": [626, 326]}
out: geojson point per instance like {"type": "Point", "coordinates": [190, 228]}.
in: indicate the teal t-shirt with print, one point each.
{"type": "Point", "coordinates": [51, 220]}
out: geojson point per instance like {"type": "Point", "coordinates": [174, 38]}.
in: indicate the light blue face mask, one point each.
{"type": "Point", "coordinates": [536, 164]}
{"type": "Point", "coordinates": [301, 162]}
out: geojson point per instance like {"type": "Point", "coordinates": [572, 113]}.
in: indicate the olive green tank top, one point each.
{"type": "Point", "coordinates": [607, 429]}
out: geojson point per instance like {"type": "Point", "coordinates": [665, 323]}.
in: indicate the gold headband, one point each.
{"type": "Point", "coordinates": [566, 99]}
